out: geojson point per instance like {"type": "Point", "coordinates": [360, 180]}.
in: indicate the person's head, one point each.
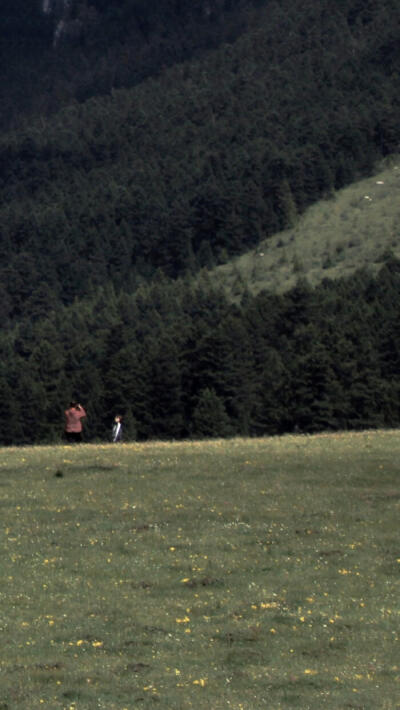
{"type": "Point", "coordinates": [118, 418]}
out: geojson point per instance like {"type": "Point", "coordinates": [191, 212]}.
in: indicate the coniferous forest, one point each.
{"type": "Point", "coordinates": [144, 143]}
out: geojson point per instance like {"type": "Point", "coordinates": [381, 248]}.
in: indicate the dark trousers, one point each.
{"type": "Point", "coordinates": [73, 437]}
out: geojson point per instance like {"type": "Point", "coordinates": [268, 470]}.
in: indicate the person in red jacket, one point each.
{"type": "Point", "coordinates": [73, 422]}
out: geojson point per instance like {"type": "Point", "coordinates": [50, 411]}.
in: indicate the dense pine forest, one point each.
{"type": "Point", "coordinates": [179, 359]}
{"type": "Point", "coordinates": [143, 143]}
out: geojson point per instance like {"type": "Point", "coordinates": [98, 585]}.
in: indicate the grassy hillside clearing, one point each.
{"type": "Point", "coordinates": [354, 228]}
{"type": "Point", "coordinates": [237, 574]}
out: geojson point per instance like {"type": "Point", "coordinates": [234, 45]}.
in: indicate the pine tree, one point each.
{"type": "Point", "coordinates": [209, 417]}
{"type": "Point", "coordinates": [165, 403]}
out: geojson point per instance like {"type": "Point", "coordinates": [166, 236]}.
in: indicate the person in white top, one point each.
{"type": "Point", "coordinates": [117, 429]}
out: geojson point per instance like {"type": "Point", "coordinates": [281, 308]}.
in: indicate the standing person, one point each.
{"type": "Point", "coordinates": [117, 429]}
{"type": "Point", "coordinates": [73, 424]}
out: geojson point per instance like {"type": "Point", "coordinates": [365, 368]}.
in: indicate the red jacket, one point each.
{"type": "Point", "coordinates": [73, 418]}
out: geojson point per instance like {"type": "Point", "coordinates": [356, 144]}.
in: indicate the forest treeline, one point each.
{"type": "Point", "coordinates": [180, 360]}
{"type": "Point", "coordinates": [158, 141]}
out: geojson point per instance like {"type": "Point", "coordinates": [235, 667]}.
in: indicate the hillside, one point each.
{"type": "Point", "coordinates": [201, 161]}
{"type": "Point", "coordinates": [119, 200]}
{"type": "Point", "coordinates": [356, 228]}
{"type": "Point", "coordinates": [55, 53]}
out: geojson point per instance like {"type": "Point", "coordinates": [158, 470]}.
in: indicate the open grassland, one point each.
{"type": "Point", "coordinates": [356, 227]}
{"type": "Point", "coordinates": [238, 574]}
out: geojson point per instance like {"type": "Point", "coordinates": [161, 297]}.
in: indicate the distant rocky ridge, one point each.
{"type": "Point", "coordinates": [57, 52]}
{"type": "Point", "coordinates": [67, 27]}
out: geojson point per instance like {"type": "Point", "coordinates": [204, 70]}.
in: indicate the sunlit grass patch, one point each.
{"type": "Point", "coordinates": [246, 573]}
{"type": "Point", "coordinates": [332, 239]}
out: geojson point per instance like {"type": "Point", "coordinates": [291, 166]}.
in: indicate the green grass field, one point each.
{"type": "Point", "coordinates": [239, 574]}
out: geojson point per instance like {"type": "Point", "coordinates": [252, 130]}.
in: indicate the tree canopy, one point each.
{"type": "Point", "coordinates": [153, 141]}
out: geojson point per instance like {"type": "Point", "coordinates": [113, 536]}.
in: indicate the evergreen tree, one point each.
{"type": "Point", "coordinates": [165, 401]}
{"type": "Point", "coordinates": [10, 418]}
{"type": "Point", "coordinates": [210, 418]}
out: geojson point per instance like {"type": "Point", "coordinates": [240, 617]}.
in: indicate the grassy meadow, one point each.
{"type": "Point", "coordinates": [238, 574]}
{"type": "Point", "coordinates": [355, 227]}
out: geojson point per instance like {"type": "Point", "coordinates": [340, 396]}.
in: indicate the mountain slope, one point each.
{"type": "Point", "coordinates": [56, 52]}
{"type": "Point", "coordinates": [110, 206]}
{"type": "Point", "coordinates": [202, 162]}
{"type": "Point", "coordinates": [355, 228]}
